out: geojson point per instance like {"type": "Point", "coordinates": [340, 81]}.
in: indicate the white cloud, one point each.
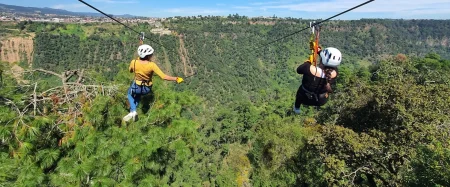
{"type": "Point", "coordinates": [68, 6]}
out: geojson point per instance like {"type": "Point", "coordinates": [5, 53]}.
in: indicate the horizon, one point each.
{"type": "Point", "coordinates": [300, 9]}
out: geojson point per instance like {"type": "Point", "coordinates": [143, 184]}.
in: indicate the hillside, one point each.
{"type": "Point", "coordinates": [231, 122]}
{"type": "Point", "coordinates": [218, 52]}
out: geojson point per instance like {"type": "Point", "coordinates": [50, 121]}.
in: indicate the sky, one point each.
{"type": "Point", "coordinates": [307, 9]}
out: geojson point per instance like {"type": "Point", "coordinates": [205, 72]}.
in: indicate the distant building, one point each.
{"type": "Point", "coordinates": [157, 24]}
{"type": "Point", "coordinates": [161, 31]}
{"type": "Point", "coordinates": [57, 20]}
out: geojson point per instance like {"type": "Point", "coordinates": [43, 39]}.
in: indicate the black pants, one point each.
{"type": "Point", "coordinates": [309, 99]}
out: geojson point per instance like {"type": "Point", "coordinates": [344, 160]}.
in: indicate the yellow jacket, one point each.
{"type": "Point", "coordinates": [144, 72]}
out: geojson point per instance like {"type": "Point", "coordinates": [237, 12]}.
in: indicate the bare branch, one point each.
{"type": "Point", "coordinates": [69, 74]}
{"type": "Point", "coordinates": [49, 72]}
{"type": "Point", "coordinates": [80, 76]}
{"type": "Point", "coordinates": [34, 99]}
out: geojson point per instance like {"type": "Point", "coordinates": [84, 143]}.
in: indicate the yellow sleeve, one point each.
{"type": "Point", "coordinates": [131, 68]}
{"type": "Point", "coordinates": [158, 71]}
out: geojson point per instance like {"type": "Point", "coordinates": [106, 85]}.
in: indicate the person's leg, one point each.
{"type": "Point", "coordinates": [298, 101]}
{"type": "Point", "coordinates": [137, 99]}
{"type": "Point", "coordinates": [140, 91]}
{"type": "Point", "coordinates": [147, 98]}
{"type": "Point", "coordinates": [133, 99]}
{"type": "Point", "coordinates": [146, 90]}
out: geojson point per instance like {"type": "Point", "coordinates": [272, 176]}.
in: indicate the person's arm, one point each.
{"type": "Point", "coordinates": [169, 78]}
{"type": "Point", "coordinates": [304, 68]}
{"type": "Point", "coordinates": [162, 75]}
{"type": "Point", "coordinates": [331, 83]}
{"type": "Point", "coordinates": [333, 80]}
{"type": "Point", "coordinates": [131, 68]}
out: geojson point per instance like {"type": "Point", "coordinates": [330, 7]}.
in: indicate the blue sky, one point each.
{"type": "Point", "coordinates": [309, 9]}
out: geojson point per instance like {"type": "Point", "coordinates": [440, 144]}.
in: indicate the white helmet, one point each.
{"type": "Point", "coordinates": [145, 50]}
{"type": "Point", "coordinates": [331, 57]}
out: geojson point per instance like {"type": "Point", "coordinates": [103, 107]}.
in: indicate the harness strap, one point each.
{"type": "Point", "coordinates": [311, 93]}
{"type": "Point", "coordinates": [141, 41]}
{"type": "Point", "coordinates": [316, 95]}
{"type": "Point", "coordinates": [135, 87]}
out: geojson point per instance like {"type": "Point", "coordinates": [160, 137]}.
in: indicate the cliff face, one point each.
{"type": "Point", "coordinates": [16, 49]}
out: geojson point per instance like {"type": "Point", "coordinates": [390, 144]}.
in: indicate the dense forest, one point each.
{"type": "Point", "coordinates": [231, 122]}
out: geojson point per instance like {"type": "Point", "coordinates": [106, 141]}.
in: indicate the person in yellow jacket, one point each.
{"type": "Point", "coordinates": [144, 68]}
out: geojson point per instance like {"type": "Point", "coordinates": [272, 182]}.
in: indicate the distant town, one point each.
{"type": "Point", "coordinates": [55, 18]}
{"type": "Point", "coordinates": [38, 17]}
{"type": "Point", "coordinates": [9, 13]}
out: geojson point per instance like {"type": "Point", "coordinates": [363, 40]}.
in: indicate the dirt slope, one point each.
{"type": "Point", "coordinates": [16, 49]}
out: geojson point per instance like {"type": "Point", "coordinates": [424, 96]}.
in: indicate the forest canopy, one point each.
{"type": "Point", "coordinates": [231, 123]}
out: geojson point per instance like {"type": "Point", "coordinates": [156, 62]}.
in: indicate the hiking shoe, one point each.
{"type": "Point", "coordinates": [296, 110]}
{"type": "Point", "coordinates": [131, 115]}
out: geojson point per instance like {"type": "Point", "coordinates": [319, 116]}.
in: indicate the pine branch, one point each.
{"type": "Point", "coordinates": [20, 119]}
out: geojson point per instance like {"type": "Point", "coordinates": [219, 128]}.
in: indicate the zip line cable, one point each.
{"type": "Point", "coordinates": [87, 4]}
{"type": "Point", "coordinates": [273, 41]}
{"type": "Point", "coordinates": [320, 22]}
{"type": "Point", "coordinates": [128, 27]}
{"type": "Point", "coordinates": [141, 34]}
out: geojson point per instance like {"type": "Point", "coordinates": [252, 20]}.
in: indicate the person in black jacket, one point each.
{"type": "Point", "coordinates": [317, 80]}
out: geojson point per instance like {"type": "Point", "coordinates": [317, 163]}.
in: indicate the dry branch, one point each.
{"type": "Point", "coordinates": [49, 72]}
{"type": "Point", "coordinates": [69, 91]}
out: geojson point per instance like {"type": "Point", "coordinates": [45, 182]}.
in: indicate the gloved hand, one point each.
{"type": "Point", "coordinates": [179, 80]}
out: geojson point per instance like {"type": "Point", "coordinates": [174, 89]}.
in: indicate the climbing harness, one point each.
{"type": "Point", "coordinates": [144, 82]}
{"type": "Point", "coordinates": [313, 95]}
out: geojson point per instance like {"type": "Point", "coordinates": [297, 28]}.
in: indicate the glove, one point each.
{"type": "Point", "coordinates": [179, 80]}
